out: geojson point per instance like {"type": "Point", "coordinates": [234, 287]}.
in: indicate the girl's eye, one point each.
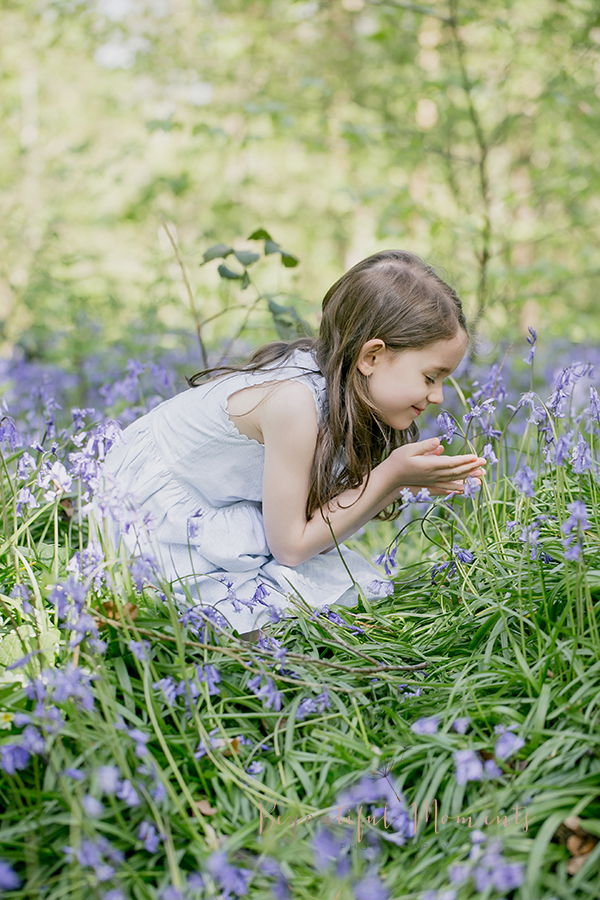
{"type": "Point", "coordinates": [429, 380]}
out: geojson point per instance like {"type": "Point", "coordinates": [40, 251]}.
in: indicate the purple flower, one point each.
{"type": "Point", "coordinates": [447, 424]}
{"type": "Point", "coordinates": [561, 450]}
{"type": "Point", "coordinates": [491, 769]}
{"type": "Point", "coordinates": [468, 766]}
{"type": "Point", "coordinates": [230, 879]}
{"type": "Point", "coordinates": [471, 487]}
{"type": "Point", "coordinates": [75, 774]}
{"type": "Point", "coordinates": [507, 744]}
{"type": "Point", "coordinates": [488, 453]}
{"type": "Point", "coordinates": [425, 725]}
{"type": "Point", "coordinates": [108, 778]}
{"type": "Point", "coordinates": [128, 793]}
{"type": "Point", "coordinates": [13, 757]}
{"type": "Point", "coordinates": [140, 649]}
{"type": "Point", "coordinates": [581, 457]}
{"type": "Point", "coordinates": [524, 481]}
{"type": "Point", "coordinates": [92, 806]}
{"type": "Point", "coordinates": [147, 833]}
{"type": "Point", "coordinates": [141, 740]}
{"type": "Point", "coordinates": [509, 876]}
{"type": "Point", "coordinates": [211, 675]}
{"type": "Point", "coordinates": [9, 880]}
{"type": "Point", "coordinates": [460, 725]}
{"type": "Point", "coordinates": [463, 556]}
{"type": "Point", "coordinates": [459, 873]}
{"type": "Point", "coordinates": [168, 687]}
{"type": "Point", "coordinates": [594, 408]}
{"type": "Point", "coordinates": [268, 693]}
{"type": "Point", "coordinates": [531, 341]}
{"type": "Point", "coordinates": [370, 888]}
{"type": "Point", "coordinates": [327, 848]}
{"type": "Point", "coordinates": [255, 768]}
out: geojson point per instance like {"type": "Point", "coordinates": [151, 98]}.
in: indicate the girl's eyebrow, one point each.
{"type": "Point", "coordinates": [441, 369]}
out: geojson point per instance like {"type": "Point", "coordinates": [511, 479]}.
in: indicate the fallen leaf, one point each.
{"type": "Point", "coordinates": [67, 507]}
{"type": "Point", "coordinates": [205, 808]}
{"type": "Point", "coordinates": [111, 611]}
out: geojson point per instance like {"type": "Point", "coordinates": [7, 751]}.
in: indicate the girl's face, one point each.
{"type": "Point", "coordinates": [403, 383]}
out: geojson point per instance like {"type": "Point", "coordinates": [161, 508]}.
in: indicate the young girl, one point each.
{"type": "Point", "coordinates": [252, 476]}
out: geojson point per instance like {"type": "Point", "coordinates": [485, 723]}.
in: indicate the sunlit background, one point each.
{"type": "Point", "coordinates": [466, 132]}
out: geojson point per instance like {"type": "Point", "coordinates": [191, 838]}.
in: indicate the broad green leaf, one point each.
{"type": "Point", "coordinates": [246, 257]}
{"type": "Point", "coordinates": [224, 272]}
{"type": "Point", "coordinates": [260, 235]}
{"type": "Point", "coordinates": [218, 251]}
{"type": "Point", "coordinates": [288, 260]}
{"type": "Point", "coordinates": [271, 247]}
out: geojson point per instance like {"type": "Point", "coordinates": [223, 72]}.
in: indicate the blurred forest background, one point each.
{"type": "Point", "coordinates": [464, 130]}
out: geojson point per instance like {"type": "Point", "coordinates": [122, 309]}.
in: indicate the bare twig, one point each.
{"type": "Point", "coordinates": [188, 288]}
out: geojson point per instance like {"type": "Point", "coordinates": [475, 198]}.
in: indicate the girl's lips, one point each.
{"type": "Point", "coordinates": [417, 410]}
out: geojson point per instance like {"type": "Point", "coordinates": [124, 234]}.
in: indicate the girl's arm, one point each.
{"type": "Point", "coordinates": [288, 421]}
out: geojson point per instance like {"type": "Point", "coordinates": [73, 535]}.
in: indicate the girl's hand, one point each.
{"type": "Point", "coordinates": [422, 465]}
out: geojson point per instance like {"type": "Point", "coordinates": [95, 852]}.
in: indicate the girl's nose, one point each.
{"type": "Point", "coordinates": [436, 395]}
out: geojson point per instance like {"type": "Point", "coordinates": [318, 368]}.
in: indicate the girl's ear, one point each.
{"type": "Point", "coordinates": [370, 354]}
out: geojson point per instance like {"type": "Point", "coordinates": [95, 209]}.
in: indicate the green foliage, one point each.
{"type": "Point", "coordinates": [466, 132]}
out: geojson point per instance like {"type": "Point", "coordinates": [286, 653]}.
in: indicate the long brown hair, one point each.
{"type": "Point", "coordinates": [395, 296]}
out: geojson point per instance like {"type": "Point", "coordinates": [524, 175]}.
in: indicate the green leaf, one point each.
{"type": "Point", "coordinates": [219, 251]}
{"type": "Point", "coordinates": [260, 235]}
{"type": "Point", "coordinates": [245, 281]}
{"type": "Point", "coordinates": [246, 257]}
{"type": "Point", "coordinates": [288, 323]}
{"type": "Point", "coordinates": [224, 272]}
{"type": "Point", "coordinates": [271, 247]}
{"type": "Point", "coordinates": [288, 260]}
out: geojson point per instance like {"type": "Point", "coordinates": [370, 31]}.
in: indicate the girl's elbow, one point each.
{"type": "Point", "coordinates": [288, 557]}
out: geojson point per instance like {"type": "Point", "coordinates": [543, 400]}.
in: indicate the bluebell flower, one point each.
{"type": "Point", "coordinates": [210, 674]}
{"type": "Point", "coordinates": [327, 848]}
{"type": "Point", "coordinates": [509, 876]}
{"type": "Point", "coordinates": [9, 880]}
{"type": "Point", "coordinates": [531, 339]}
{"type": "Point", "coordinates": [260, 593]}
{"type": "Point", "coordinates": [370, 887]}
{"type": "Point", "coordinates": [92, 806]}
{"type": "Point", "coordinates": [141, 740]}
{"type": "Point", "coordinates": [447, 424]}
{"type": "Point", "coordinates": [472, 486]}
{"type": "Point", "coordinates": [168, 687]}
{"type": "Point", "coordinates": [562, 447]}
{"type": "Point", "coordinates": [573, 528]}
{"type": "Point", "coordinates": [468, 766]}
{"type": "Point", "coordinates": [508, 744]}
{"type": "Point", "coordinates": [128, 793]}
{"type": "Point", "coordinates": [140, 649]}
{"type": "Point", "coordinates": [270, 696]}
{"type": "Point", "coordinates": [491, 769]}
{"type": "Point", "coordinates": [378, 586]}
{"type": "Point", "coordinates": [524, 481]}
{"type": "Point", "coordinates": [108, 778]}
{"type": "Point", "coordinates": [458, 873]}
{"type": "Point", "coordinates": [425, 725]}
{"type": "Point", "coordinates": [477, 411]}
{"type": "Point", "coordinates": [148, 834]}
{"type": "Point", "coordinates": [460, 725]}
{"type": "Point", "coordinates": [594, 407]}
{"type": "Point", "coordinates": [231, 880]}
{"type": "Point", "coordinates": [581, 457]}
{"type": "Point", "coordinates": [13, 757]}
{"type": "Point", "coordinates": [488, 453]}
{"type": "Point", "coordinates": [463, 556]}
{"type": "Point", "coordinates": [75, 774]}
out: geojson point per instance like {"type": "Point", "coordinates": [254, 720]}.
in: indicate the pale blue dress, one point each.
{"type": "Point", "coordinates": [199, 481]}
